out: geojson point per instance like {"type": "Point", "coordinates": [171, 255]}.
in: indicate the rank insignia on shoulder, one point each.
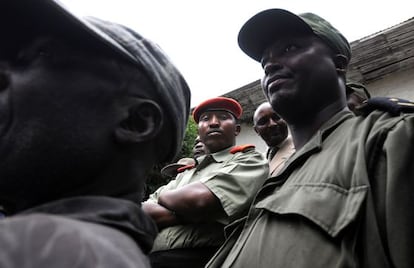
{"type": "Point", "coordinates": [242, 148]}
{"type": "Point", "coordinates": [184, 168]}
{"type": "Point", "coordinates": [394, 106]}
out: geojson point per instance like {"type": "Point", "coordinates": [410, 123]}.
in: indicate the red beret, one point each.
{"type": "Point", "coordinates": [218, 104]}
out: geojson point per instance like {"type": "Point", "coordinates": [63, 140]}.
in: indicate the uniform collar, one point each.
{"type": "Point", "coordinates": [314, 145]}
{"type": "Point", "coordinates": [116, 213]}
{"type": "Point", "coordinates": [216, 157]}
{"type": "Point", "coordinates": [222, 155]}
{"type": "Point", "coordinates": [325, 130]}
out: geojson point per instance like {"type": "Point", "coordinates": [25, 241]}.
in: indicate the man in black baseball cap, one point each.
{"type": "Point", "coordinates": [86, 108]}
{"type": "Point", "coordinates": [344, 198]}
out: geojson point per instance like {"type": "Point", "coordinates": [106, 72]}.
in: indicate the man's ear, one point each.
{"type": "Point", "coordinates": [341, 63]}
{"type": "Point", "coordinates": [238, 129]}
{"type": "Point", "coordinates": [144, 121]}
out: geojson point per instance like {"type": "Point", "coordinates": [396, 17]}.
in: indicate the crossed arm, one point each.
{"type": "Point", "coordinates": [191, 203]}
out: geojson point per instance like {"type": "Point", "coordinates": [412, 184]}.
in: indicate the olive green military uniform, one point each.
{"type": "Point", "coordinates": [234, 178]}
{"type": "Point", "coordinates": [343, 200]}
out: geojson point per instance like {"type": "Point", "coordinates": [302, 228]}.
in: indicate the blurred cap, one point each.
{"type": "Point", "coordinates": [20, 19]}
{"type": "Point", "coordinates": [171, 170]}
{"type": "Point", "coordinates": [218, 104]}
{"type": "Point", "coordinates": [260, 31]}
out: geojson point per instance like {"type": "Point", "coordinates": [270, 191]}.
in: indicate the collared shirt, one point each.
{"type": "Point", "coordinates": [233, 178]}
{"type": "Point", "coordinates": [343, 200]}
{"type": "Point", "coordinates": [285, 150]}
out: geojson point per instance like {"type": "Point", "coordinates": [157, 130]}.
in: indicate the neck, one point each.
{"type": "Point", "coordinates": [123, 178]}
{"type": "Point", "coordinates": [302, 131]}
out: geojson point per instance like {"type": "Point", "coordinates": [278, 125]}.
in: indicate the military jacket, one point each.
{"type": "Point", "coordinates": [84, 232]}
{"type": "Point", "coordinates": [343, 200]}
{"type": "Point", "coordinates": [233, 178]}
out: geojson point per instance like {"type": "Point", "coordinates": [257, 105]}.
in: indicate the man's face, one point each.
{"type": "Point", "coordinates": [354, 100]}
{"type": "Point", "coordinates": [58, 110]}
{"type": "Point", "coordinates": [218, 130]}
{"type": "Point", "coordinates": [271, 128]}
{"type": "Point", "coordinates": [199, 149]}
{"type": "Point", "coordinates": [299, 75]}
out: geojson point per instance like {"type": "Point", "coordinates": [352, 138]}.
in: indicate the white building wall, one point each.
{"type": "Point", "coordinates": [399, 85]}
{"type": "Point", "coordinates": [249, 136]}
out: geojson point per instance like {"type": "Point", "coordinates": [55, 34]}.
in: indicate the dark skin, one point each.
{"type": "Point", "coordinates": [194, 202]}
{"type": "Point", "coordinates": [269, 126]}
{"type": "Point", "coordinates": [353, 101]}
{"type": "Point", "coordinates": [199, 149]}
{"type": "Point", "coordinates": [72, 123]}
{"type": "Point", "coordinates": [304, 82]}
{"type": "Point", "coordinates": [218, 130]}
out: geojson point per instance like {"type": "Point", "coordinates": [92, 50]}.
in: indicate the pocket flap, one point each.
{"type": "Point", "coordinates": [329, 206]}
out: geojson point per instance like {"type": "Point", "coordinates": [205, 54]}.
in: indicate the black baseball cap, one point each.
{"type": "Point", "coordinates": [261, 30]}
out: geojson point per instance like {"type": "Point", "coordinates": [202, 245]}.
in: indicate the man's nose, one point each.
{"type": "Point", "coordinates": [214, 121]}
{"type": "Point", "coordinates": [271, 66]}
{"type": "Point", "coordinates": [272, 122]}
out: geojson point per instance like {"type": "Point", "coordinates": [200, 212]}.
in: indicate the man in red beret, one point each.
{"type": "Point", "coordinates": [192, 210]}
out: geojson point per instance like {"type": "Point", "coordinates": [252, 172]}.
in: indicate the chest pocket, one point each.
{"type": "Point", "coordinates": [327, 205]}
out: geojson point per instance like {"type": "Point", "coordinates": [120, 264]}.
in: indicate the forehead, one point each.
{"type": "Point", "coordinates": [211, 112]}
{"type": "Point", "coordinates": [279, 43]}
{"type": "Point", "coordinates": [264, 110]}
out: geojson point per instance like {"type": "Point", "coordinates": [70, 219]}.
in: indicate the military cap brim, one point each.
{"type": "Point", "coordinates": [264, 27]}
{"type": "Point", "coordinates": [267, 26]}
{"type": "Point", "coordinates": [218, 104]}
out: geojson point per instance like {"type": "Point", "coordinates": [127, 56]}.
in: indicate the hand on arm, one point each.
{"type": "Point", "coordinates": [192, 203]}
{"type": "Point", "coordinates": [162, 216]}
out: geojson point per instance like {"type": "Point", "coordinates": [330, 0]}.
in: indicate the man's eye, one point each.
{"type": "Point", "coordinates": [204, 118]}
{"type": "Point", "coordinates": [275, 118]}
{"type": "Point", "coordinates": [290, 48]}
{"type": "Point", "coordinates": [262, 121]}
{"type": "Point", "coordinates": [30, 54]}
{"type": "Point", "coordinates": [223, 116]}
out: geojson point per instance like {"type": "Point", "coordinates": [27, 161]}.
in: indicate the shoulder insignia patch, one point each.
{"type": "Point", "coordinates": [394, 106]}
{"type": "Point", "coordinates": [242, 148]}
{"type": "Point", "coordinates": [184, 168]}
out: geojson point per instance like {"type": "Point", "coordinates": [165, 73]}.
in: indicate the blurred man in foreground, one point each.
{"type": "Point", "coordinates": [86, 108]}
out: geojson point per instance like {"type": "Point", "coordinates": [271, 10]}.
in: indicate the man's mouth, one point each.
{"type": "Point", "coordinates": [214, 132]}
{"type": "Point", "coordinates": [275, 82]}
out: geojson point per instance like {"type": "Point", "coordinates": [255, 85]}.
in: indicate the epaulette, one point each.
{"type": "Point", "coordinates": [182, 169]}
{"type": "Point", "coordinates": [242, 148]}
{"type": "Point", "coordinates": [394, 106]}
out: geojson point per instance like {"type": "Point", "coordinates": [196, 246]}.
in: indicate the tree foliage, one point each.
{"type": "Point", "coordinates": [154, 178]}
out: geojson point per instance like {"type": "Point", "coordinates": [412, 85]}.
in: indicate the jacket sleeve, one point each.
{"type": "Point", "coordinates": [395, 174]}
{"type": "Point", "coordinates": [171, 185]}
{"type": "Point", "coordinates": [237, 182]}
